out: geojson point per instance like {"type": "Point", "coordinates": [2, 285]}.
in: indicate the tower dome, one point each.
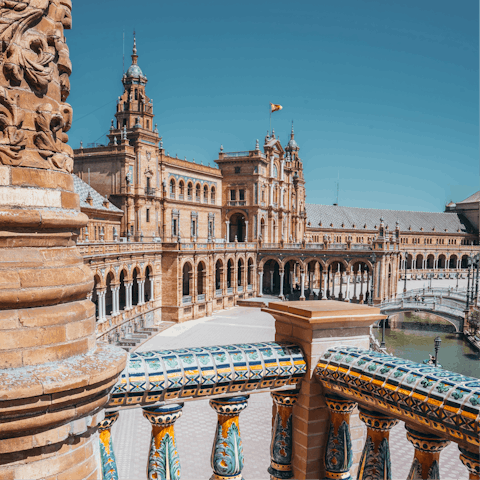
{"type": "Point", "coordinates": [292, 145]}
{"type": "Point", "coordinates": [134, 73]}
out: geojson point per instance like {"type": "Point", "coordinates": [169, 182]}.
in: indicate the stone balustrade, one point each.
{"type": "Point", "coordinates": [334, 400]}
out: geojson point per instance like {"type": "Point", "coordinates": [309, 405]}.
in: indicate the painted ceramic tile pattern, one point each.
{"type": "Point", "coordinates": [443, 400]}
{"type": "Point", "coordinates": [158, 376]}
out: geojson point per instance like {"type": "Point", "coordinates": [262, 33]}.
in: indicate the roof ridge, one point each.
{"type": "Point", "coordinates": [371, 208]}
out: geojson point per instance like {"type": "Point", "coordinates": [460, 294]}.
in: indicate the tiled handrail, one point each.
{"type": "Point", "coordinates": [422, 395]}
{"type": "Point", "coordinates": [165, 376]}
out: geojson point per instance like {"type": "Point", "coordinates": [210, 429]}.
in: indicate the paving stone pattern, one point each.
{"type": "Point", "coordinates": [196, 428]}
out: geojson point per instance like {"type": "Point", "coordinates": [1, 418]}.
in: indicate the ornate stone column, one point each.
{"type": "Point", "coordinates": [425, 465]}
{"type": "Point", "coordinates": [227, 454]}
{"type": "Point", "coordinates": [375, 461]}
{"type": "Point", "coordinates": [163, 460]}
{"type": "Point", "coordinates": [50, 358]}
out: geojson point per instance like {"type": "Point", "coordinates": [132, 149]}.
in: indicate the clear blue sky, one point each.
{"type": "Point", "coordinates": [384, 94]}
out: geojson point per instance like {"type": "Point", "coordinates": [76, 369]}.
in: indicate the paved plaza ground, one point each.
{"type": "Point", "coordinates": [195, 429]}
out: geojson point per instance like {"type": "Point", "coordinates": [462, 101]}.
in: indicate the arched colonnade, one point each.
{"type": "Point", "coordinates": [433, 261]}
{"type": "Point", "coordinates": [314, 278]}
{"type": "Point", "coordinates": [230, 274]}
{"type": "Point", "coordinates": [120, 289]}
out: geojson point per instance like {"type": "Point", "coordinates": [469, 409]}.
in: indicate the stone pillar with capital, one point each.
{"type": "Point", "coordinates": [282, 276]}
{"type": "Point", "coordinates": [302, 288]}
{"type": "Point", "coordinates": [50, 322]}
{"type": "Point", "coordinates": [260, 283]}
{"type": "Point", "coordinates": [246, 231]}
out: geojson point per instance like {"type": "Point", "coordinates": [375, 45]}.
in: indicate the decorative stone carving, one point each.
{"type": "Point", "coordinates": [35, 63]}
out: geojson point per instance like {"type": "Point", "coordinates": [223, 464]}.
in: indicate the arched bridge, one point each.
{"type": "Point", "coordinates": [445, 303]}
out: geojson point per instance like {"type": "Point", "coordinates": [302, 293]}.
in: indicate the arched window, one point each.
{"type": "Point", "coordinates": [275, 171]}
{"type": "Point", "coordinates": [197, 193]}
{"type": "Point", "coordinates": [205, 194]}
{"type": "Point", "coordinates": [189, 190]}
{"type": "Point", "coordinates": [212, 195]}
{"type": "Point", "coordinates": [172, 188]}
{"type": "Point", "coordinates": [186, 274]}
{"type": "Point", "coordinates": [181, 188]}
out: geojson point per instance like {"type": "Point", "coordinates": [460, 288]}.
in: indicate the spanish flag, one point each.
{"type": "Point", "coordinates": [274, 107]}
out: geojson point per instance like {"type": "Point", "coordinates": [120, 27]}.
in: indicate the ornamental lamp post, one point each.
{"type": "Point", "coordinates": [437, 342]}
{"type": "Point", "coordinates": [374, 258]}
{"type": "Point", "coordinates": [458, 273]}
{"type": "Point", "coordinates": [382, 345]}
{"type": "Point", "coordinates": [469, 264]}
{"type": "Point", "coordinates": [476, 258]}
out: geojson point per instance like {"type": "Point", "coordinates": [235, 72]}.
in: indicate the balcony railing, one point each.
{"type": "Point", "coordinates": [437, 406]}
{"type": "Point", "coordinates": [218, 292]}
{"type": "Point", "coordinates": [230, 290]}
{"type": "Point", "coordinates": [201, 297]}
{"type": "Point", "coordinates": [240, 288]}
{"type": "Point", "coordinates": [236, 154]}
{"type": "Point", "coordinates": [186, 299]}
{"type": "Point", "coordinates": [150, 192]}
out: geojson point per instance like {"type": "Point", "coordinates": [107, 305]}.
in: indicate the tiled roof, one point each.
{"type": "Point", "coordinates": [83, 189]}
{"type": "Point", "coordinates": [349, 216]}
{"type": "Point", "coordinates": [472, 198]}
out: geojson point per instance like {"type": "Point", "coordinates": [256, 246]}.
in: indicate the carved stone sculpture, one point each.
{"type": "Point", "coordinates": [54, 378]}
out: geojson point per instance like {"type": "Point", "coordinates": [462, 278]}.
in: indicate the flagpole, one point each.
{"type": "Point", "coordinates": [270, 108]}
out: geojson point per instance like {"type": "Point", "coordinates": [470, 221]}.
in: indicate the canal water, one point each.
{"type": "Point", "coordinates": [415, 344]}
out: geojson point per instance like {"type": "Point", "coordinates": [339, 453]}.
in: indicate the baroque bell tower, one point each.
{"type": "Point", "coordinates": [134, 108]}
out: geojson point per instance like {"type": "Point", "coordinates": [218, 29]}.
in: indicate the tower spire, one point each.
{"type": "Point", "coordinates": [134, 54]}
{"type": "Point", "coordinates": [292, 134]}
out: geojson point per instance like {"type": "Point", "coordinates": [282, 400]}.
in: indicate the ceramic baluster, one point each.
{"type": "Point", "coordinates": [281, 446]}
{"type": "Point", "coordinates": [425, 465]}
{"type": "Point", "coordinates": [338, 454]}
{"type": "Point", "coordinates": [163, 460]}
{"type": "Point", "coordinates": [472, 461]}
{"type": "Point", "coordinates": [227, 454]}
{"type": "Point", "coordinates": [375, 461]}
{"type": "Point", "coordinates": [107, 455]}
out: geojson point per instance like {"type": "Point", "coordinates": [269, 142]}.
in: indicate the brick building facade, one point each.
{"type": "Point", "coordinates": [179, 240]}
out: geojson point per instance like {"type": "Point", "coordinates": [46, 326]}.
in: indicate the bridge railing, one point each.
{"type": "Point", "coordinates": [437, 406]}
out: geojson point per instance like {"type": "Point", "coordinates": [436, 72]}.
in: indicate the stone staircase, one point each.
{"type": "Point", "coordinates": [133, 340]}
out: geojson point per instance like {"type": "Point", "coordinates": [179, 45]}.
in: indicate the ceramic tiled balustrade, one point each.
{"type": "Point", "coordinates": [189, 373]}
{"type": "Point", "coordinates": [332, 382]}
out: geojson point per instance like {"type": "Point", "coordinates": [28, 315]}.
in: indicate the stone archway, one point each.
{"type": "Point", "coordinates": [237, 228]}
{"type": "Point", "coordinates": [271, 277]}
